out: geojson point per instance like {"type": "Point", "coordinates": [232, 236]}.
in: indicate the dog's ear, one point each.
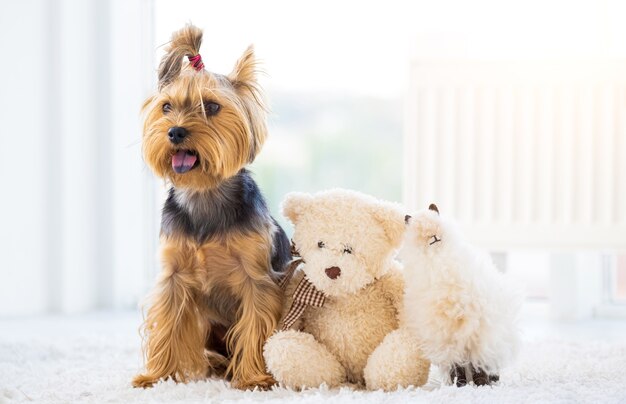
{"type": "Point", "coordinates": [185, 42]}
{"type": "Point", "coordinates": [244, 80]}
{"type": "Point", "coordinates": [245, 70]}
{"type": "Point", "coordinates": [393, 221]}
{"type": "Point", "coordinates": [294, 204]}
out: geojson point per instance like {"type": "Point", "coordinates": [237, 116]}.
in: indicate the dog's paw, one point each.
{"type": "Point", "coordinates": [218, 364]}
{"type": "Point", "coordinates": [262, 382]}
{"type": "Point", "coordinates": [144, 381]}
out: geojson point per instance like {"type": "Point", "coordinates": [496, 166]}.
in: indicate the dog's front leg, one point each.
{"type": "Point", "coordinates": [258, 316]}
{"type": "Point", "coordinates": [174, 335]}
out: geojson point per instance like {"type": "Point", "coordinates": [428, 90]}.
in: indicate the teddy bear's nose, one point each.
{"type": "Point", "coordinates": [333, 272]}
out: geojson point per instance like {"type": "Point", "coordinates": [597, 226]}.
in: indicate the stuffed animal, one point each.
{"type": "Point", "coordinates": [341, 322]}
{"type": "Point", "coordinates": [463, 310]}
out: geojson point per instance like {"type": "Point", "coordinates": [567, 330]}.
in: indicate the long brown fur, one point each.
{"type": "Point", "coordinates": [229, 272]}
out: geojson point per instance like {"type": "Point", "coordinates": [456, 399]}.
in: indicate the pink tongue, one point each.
{"type": "Point", "coordinates": [183, 161]}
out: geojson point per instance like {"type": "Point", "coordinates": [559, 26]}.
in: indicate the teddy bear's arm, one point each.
{"type": "Point", "coordinates": [393, 286]}
{"type": "Point", "coordinates": [397, 361]}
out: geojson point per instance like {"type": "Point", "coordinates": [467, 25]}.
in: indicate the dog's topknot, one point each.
{"type": "Point", "coordinates": [188, 39]}
{"type": "Point", "coordinates": [185, 42]}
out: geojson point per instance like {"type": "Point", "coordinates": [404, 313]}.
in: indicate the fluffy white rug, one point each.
{"type": "Point", "coordinates": [91, 359]}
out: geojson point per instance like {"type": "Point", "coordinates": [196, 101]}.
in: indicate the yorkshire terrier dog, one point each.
{"type": "Point", "coordinates": [217, 298]}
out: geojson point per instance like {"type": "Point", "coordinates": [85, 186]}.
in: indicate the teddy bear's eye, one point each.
{"type": "Point", "coordinates": [347, 250]}
{"type": "Point", "coordinates": [321, 244]}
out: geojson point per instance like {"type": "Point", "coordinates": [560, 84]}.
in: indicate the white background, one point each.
{"type": "Point", "coordinates": [78, 209]}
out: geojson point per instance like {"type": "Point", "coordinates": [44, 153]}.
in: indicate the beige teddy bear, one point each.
{"type": "Point", "coordinates": [341, 321]}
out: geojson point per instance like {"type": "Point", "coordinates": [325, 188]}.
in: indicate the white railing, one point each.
{"type": "Point", "coordinates": [528, 154]}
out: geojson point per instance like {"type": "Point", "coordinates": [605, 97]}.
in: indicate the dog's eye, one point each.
{"type": "Point", "coordinates": [211, 108]}
{"type": "Point", "coordinates": [347, 250]}
{"type": "Point", "coordinates": [321, 244]}
{"type": "Point", "coordinates": [167, 107]}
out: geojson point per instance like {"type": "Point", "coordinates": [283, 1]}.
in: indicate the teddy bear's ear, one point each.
{"type": "Point", "coordinates": [294, 204]}
{"type": "Point", "coordinates": [392, 219]}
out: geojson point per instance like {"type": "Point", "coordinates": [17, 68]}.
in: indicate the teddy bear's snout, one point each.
{"type": "Point", "coordinates": [333, 272]}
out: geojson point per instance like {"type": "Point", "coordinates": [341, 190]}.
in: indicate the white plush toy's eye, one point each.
{"type": "Point", "coordinates": [434, 239]}
{"type": "Point", "coordinates": [321, 244]}
{"type": "Point", "coordinates": [347, 250]}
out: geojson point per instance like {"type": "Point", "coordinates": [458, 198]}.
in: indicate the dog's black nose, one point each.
{"type": "Point", "coordinates": [177, 134]}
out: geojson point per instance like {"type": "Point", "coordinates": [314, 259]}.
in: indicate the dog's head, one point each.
{"type": "Point", "coordinates": [202, 127]}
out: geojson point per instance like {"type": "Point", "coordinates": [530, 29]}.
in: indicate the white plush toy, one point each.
{"type": "Point", "coordinates": [341, 322]}
{"type": "Point", "coordinates": [457, 303]}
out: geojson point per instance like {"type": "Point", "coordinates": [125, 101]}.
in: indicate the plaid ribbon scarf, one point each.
{"type": "Point", "coordinates": [304, 295]}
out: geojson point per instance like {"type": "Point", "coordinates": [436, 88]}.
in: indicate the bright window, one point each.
{"type": "Point", "coordinates": [337, 75]}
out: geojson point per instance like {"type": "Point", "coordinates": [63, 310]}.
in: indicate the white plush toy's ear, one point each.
{"type": "Point", "coordinates": [294, 204]}
{"type": "Point", "coordinates": [392, 219]}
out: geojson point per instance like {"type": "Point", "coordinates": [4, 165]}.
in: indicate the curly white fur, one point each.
{"type": "Point", "coordinates": [456, 302]}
